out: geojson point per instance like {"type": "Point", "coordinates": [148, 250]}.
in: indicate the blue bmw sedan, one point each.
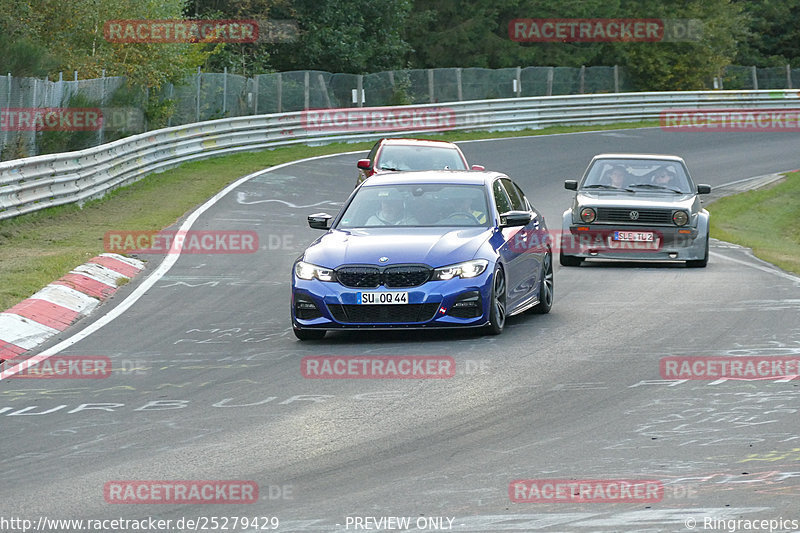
{"type": "Point", "coordinates": [433, 249]}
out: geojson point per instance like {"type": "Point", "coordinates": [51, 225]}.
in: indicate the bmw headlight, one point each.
{"type": "Point", "coordinates": [467, 269]}
{"type": "Point", "coordinates": [305, 270]}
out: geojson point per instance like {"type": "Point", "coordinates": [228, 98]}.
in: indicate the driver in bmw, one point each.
{"type": "Point", "coordinates": [392, 212]}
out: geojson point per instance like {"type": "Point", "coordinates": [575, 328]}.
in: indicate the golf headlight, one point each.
{"type": "Point", "coordinates": [680, 218]}
{"type": "Point", "coordinates": [588, 215]}
{"type": "Point", "coordinates": [468, 269]}
{"type": "Point", "coordinates": [305, 270]}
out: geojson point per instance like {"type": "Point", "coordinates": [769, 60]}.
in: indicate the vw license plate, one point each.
{"type": "Point", "coordinates": [372, 298]}
{"type": "Point", "coordinates": [634, 236]}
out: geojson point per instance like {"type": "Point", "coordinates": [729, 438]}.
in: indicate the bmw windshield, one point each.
{"type": "Point", "coordinates": [417, 206]}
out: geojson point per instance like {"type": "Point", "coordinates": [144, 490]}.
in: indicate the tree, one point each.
{"type": "Point", "coordinates": [352, 36]}
{"type": "Point", "coordinates": [771, 41]}
{"type": "Point", "coordinates": [72, 34]}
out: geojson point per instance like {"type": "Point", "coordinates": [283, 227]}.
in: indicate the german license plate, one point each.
{"type": "Point", "coordinates": [381, 298]}
{"type": "Point", "coordinates": [634, 236]}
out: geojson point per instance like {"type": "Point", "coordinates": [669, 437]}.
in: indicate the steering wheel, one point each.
{"type": "Point", "coordinates": [462, 214]}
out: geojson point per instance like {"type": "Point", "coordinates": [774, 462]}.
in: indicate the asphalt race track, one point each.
{"type": "Point", "coordinates": [208, 385]}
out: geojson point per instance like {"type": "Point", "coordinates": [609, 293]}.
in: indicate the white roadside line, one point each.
{"type": "Point", "coordinates": [765, 267]}
{"type": "Point", "coordinates": [151, 280]}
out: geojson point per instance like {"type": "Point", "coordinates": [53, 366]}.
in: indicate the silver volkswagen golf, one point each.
{"type": "Point", "coordinates": [635, 207]}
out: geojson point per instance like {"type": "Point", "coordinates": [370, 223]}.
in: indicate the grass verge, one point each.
{"type": "Point", "coordinates": [39, 247]}
{"type": "Point", "coordinates": [766, 220]}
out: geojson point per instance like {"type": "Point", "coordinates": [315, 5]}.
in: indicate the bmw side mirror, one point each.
{"type": "Point", "coordinates": [572, 185]}
{"type": "Point", "coordinates": [703, 189]}
{"type": "Point", "coordinates": [320, 221]}
{"type": "Point", "coordinates": [511, 219]}
{"type": "Point", "coordinates": [364, 164]}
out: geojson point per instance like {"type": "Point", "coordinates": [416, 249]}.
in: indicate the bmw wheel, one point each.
{"type": "Point", "coordinates": [545, 286]}
{"type": "Point", "coordinates": [497, 310]}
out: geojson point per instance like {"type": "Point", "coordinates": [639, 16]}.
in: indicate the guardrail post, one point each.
{"type": "Point", "coordinates": [430, 86]}
{"type": "Point", "coordinates": [755, 77]}
{"type": "Point", "coordinates": [550, 72]}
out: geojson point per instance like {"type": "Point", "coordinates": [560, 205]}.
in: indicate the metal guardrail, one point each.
{"type": "Point", "coordinates": [34, 183]}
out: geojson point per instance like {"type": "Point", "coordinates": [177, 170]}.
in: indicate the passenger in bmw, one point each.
{"type": "Point", "coordinates": [392, 212]}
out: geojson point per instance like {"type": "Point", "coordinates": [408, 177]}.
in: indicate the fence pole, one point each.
{"type": "Point", "coordinates": [255, 94]}
{"type": "Point", "coordinates": [459, 89]}
{"type": "Point", "coordinates": [550, 72]}
{"type": "Point", "coordinates": [4, 146]}
{"type": "Point", "coordinates": [102, 129]}
{"type": "Point", "coordinates": [582, 82]}
{"type": "Point", "coordinates": [171, 93]}
{"type": "Point", "coordinates": [306, 91]}
{"type": "Point", "coordinates": [519, 81]}
{"type": "Point", "coordinates": [197, 97]}
{"type": "Point", "coordinates": [755, 77]}
{"type": "Point", "coordinates": [359, 90]}
{"type": "Point", "coordinates": [279, 92]}
{"type": "Point", "coordinates": [616, 78]}
{"type": "Point", "coordinates": [430, 86]}
{"type": "Point", "coordinates": [224, 91]}
{"type": "Point", "coordinates": [788, 76]}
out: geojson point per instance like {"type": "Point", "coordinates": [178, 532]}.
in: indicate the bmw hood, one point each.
{"type": "Point", "coordinates": [435, 247]}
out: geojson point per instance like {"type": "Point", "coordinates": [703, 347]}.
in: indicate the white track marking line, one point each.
{"type": "Point", "coordinates": [151, 280]}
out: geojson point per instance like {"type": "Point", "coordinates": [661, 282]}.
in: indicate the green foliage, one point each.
{"type": "Point", "coordinates": [51, 142]}
{"type": "Point", "coordinates": [72, 34]}
{"type": "Point", "coordinates": [773, 38]}
{"type": "Point", "coordinates": [23, 57]}
{"type": "Point", "coordinates": [349, 36]}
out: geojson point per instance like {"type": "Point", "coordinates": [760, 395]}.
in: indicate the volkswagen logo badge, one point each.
{"type": "Point", "coordinates": [383, 259]}
{"type": "Point", "coordinates": [634, 215]}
